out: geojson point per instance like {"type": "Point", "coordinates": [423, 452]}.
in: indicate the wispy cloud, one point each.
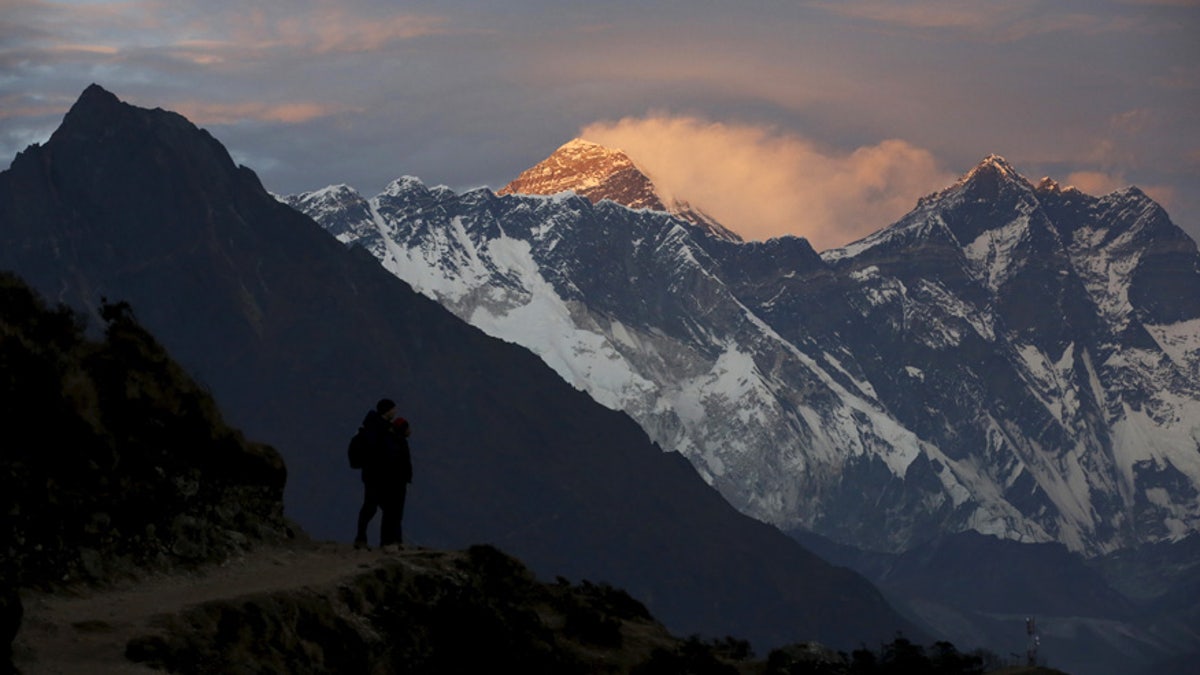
{"type": "Point", "coordinates": [1102, 183]}
{"type": "Point", "coordinates": [957, 14]}
{"type": "Point", "coordinates": [215, 32]}
{"type": "Point", "coordinates": [331, 29]}
{"type": "Point", "coordinates": [1007, 21]}
{"type": "Point", "coordinates": [202, 112]}
{"type": "Point", "coordinates": [763, 183]}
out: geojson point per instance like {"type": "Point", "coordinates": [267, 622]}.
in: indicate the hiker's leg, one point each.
{"type": "Point", "coordinates": [393, 516]}
{"type": "Point", "coordinates": [366, 513]}
{"type": "Point", "coordinates": [398, 507]}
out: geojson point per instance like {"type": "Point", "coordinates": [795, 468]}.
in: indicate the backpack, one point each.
{"type": "Point", "coordinates": [359, 446]}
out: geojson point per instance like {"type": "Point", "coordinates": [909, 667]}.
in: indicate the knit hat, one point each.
{"type": "Point", "coordinates": [384, 405]}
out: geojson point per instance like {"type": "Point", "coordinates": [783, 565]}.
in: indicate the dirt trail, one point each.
{"type": "Point", "coordinates": [86, 631]}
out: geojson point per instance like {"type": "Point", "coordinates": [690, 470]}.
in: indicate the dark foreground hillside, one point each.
{"type": "Point", "coordinates": [326, 608]}
{"type": "Point", "coordinates": [142, 534]}
{"type": "Point", "coordinates": [115, 461]}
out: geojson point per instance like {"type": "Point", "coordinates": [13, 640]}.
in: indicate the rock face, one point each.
{"type": "Point", "coordinates": [119, 463]}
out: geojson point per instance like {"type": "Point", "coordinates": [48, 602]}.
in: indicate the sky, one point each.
{"type": "Point", "coordinates": [826, 119]}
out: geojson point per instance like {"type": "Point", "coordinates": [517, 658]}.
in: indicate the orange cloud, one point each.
{"type": "Point", "coordinates": [232, 113]}
{"type": "Point", "coordinates": [1100, 183]}
{"type": "Point", "coordinates": [222, 34]}
{"type": "Point", "coordinates": [106, 50]}
{"type": "Point", "coordinates": [1096, 182]}
{"type": "Point", "coordinates": [333, 30]}
{"type": "Point", "coordinates": [929, 13]}
{"type": "Point", "coordinates": [763, 184]}
{"type": "Point", "coordinates": [994, 22]}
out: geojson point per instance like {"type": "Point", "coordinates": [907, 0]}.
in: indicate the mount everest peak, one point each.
{"type": "Point", "coordinates": [1016, 360]}
{"type": "Point", "coordinates": [597, 172]}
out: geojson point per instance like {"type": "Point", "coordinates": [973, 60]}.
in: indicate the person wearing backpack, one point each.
{"type": "Point", "coordinates": [381, 450]}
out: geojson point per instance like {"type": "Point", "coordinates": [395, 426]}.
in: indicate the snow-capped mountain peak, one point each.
{"type": "Point", "coordinates": [994, 165]}
{"type": "Point", "coordinates": [597, 172]}
{"type": "Point", "coordinates": [590, 170]}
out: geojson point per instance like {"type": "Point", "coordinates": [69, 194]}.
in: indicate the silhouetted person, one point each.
{"type": "Point", "coordinates": [386, 473]}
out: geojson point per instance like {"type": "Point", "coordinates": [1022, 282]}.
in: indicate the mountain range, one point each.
{"type": "Point", "coordinates": [1018, 360]}
{"type": "Point", "coordinates": [1009, 359]}
{"type": "Point", "coordinates": [296, 337]}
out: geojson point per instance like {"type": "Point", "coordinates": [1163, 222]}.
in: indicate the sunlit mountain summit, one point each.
{"type": "Point", "coordinates": [597, 172]}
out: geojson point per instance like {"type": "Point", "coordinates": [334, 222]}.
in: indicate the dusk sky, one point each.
{"type": "Point", "coordinates": [826, 119]}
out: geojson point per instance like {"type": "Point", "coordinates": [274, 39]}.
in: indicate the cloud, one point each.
{"type": "Point", "coordinates": [764, 183]}
{"type": "Point", "coordinates": [1008, 21]}
{"type": "Point", "coordinates": [956, 14]}
{"type": "Point", "coordinates": [231, 113]}
{"type": "Point", "coordinates": [333, 30]}
{"type": "Point", "coordinates": [1096, 182]}
{"type": "Point", "coordinates": [215, 32]}
{"type": "Point", "coordinates": [1100, 183]}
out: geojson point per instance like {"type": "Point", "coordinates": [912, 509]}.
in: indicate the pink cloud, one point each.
{"type": "Point", "coordinates": [763, 183]}
{"type": "Point", "coordinates": [331, 29]}
{"type": "Point", "coordinates": [1096, 182]}
{"type": "Point", "coordinates": [993, 22]}
{"type": "Point", "coordinates": [1100, 183]}
{"type": "Point", "coordinates": [232, 113]}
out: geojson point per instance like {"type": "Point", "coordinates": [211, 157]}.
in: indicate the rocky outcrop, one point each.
{"type": "Point", "coordinates": [116, 462]}
{"type": "Point", "coordinates": [418, 611]}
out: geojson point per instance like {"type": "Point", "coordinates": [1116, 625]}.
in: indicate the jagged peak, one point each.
{"type": "Point", "coordinates": [94, 103]}
{"type": "Point", "coordinates": [989, 175]}
{"type": "Point", "coordinates": [330, 194]}
{"type": "Point", "coordinates": [994, 166]}
{"type": "Point", "coordinates": [598, 172]}
{"type": "Point", "coordinates": [579, 150]}
{"type": "Point", "coordinates": [577, 145]}
{"type": "Point", "coordinates": [1132, 192]}
{"type": "Point", "coordinates": [95, 95]}
{"type": "Point", "coordinates": [1048, 184]}
{"type": "Point", "coordinates": [585, 144]}
{"type": "Point", "coordinates": [337, 189]}
{"type": "Point", "coordinates": [403, 184]}
{"type": "Point", "coordinates": [587, 168]}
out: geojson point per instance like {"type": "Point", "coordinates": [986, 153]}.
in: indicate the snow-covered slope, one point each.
{"type": "Point", "coordinates": [1012, 359]}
